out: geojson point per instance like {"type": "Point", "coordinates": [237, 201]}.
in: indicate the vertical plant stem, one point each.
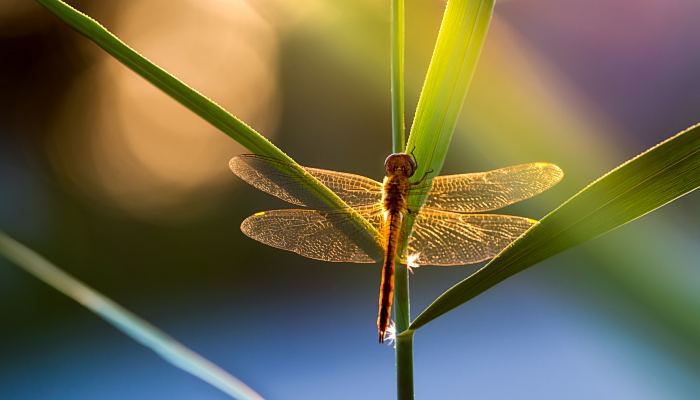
{"type": "Point", "coordinates": [404, 362]}
{"type": "Point", "coordinates": [404, 343]}
{"type": "Point", "coordinates": [402, 311]}
{"type": "Point", "coordinates": [398, 124]}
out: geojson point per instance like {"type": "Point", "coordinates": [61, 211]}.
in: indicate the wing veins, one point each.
{"type": "Point", "coordinates": [491, 190]}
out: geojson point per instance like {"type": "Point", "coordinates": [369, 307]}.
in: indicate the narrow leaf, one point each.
{"type": "Point", "coordinates": [138, 329]}
{"type": "Point", "coordinates": [459, 43]}
{"type": "Point", "coordinates": [211, 112]}
{"type": "Point", "coordinates": [652, 179]}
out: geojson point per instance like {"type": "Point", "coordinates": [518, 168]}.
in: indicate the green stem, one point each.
{"type": "Point", "coordinates": [398, 125]}
{"type": "Point", "coordinates": [402, 310]}
{"type": "Point", "coordinates": [404, 343]}
{"type": "Point", "coordinates": [404, 357]}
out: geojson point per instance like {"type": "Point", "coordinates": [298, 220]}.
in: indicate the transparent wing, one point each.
{"type": "Point", "coordinates": [446, 238]}
{"type": "Point", "coordinates": [485, 191]}
{"type": "Point", "coordinates": [275, 177]}
{"type": "Point", "coordinates": [310, 233]}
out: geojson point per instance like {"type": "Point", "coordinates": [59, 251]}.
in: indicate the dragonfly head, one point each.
{"type": "Point", "coordinates": [400, 164]}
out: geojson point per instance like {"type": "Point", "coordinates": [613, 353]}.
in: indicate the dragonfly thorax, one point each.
{"type": "Point", "coordinates": [395, 193]}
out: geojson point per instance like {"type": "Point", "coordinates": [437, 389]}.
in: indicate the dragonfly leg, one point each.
{"type": "Point", "coordinates": [411, 212]}
{"type": "Point", "coordinates": [424, 177]}
{"type": "Point", "coordinates": [415, 161]}
{"type": "Point", "coordinates": [413, 155]}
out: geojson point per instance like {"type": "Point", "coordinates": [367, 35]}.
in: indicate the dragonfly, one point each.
{"type": "Point", "coordinates": [453, 227]}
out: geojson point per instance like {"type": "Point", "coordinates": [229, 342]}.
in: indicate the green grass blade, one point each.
{"type": "Point", "coordinates": [459, 43]}
{"type": "Point", "coordinates": [652, 179]}
{"type": "Point", "coordinates": [141, 331]}
{"type": "Point", "coordinates": [210, 111]}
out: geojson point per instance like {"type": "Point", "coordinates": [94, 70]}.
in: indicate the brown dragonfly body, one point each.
{"type": "Point", "coordinates": [399, 168]}
{"type": "Point", "coordinates": [452, 228]}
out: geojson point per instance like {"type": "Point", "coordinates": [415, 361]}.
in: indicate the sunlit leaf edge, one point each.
{"type": "Point", "coordinates": [652, 179]}
{"type": "Point", "coordinates": [368, 237]}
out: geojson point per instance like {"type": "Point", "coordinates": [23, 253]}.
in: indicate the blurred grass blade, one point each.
{"type": "Point", "coordinates": [209, 111]}
{"type": "Point", "coordinates": [637, 187]}
{"type": "Point", "coordinates": [138, 329]}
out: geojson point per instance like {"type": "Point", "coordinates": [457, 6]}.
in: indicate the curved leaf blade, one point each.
{"type": "Point", "coordinates": [455, 57]}
{"type": "Point", "coordinates": [211, 112]}
{"type": "Point", "coordinates": [654, 178]}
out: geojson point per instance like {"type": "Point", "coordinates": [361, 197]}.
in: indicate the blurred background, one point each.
{"type": "Point", "coordinates": [131, 193]}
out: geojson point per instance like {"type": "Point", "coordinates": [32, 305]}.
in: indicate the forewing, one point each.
{"type": "Point", "coordinates": [485, 191]}
{"type": "Point", "coordinates": [310, 233]}
{"type": "Point", "coordinates": [355, 190]}
{"type": "Point", "coordinates": [446, 238]}
{"type": "Point", "coordinates": [274, 177]}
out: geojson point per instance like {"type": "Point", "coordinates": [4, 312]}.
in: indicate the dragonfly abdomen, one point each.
{"type": "Point", "coordinates": [386, 289]}
{"type": "Point", "coordinates": [394, 203]}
